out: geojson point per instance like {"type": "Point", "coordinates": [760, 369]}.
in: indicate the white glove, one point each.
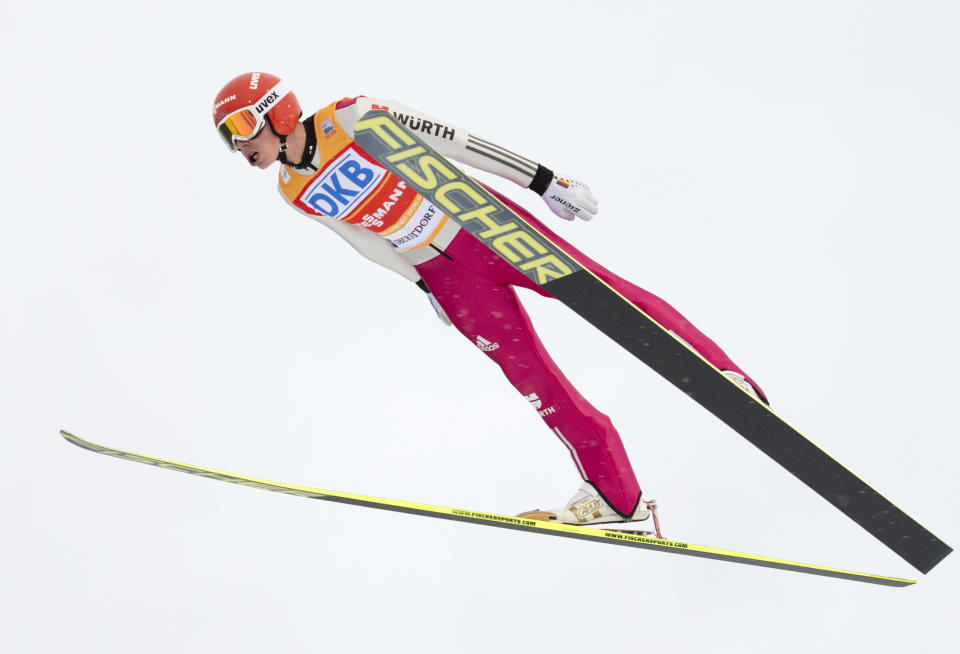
{"type": "Point", "coordinates": [570, 198]}
{"type": "Point", "coordinates": [440, 312]}
{"type": "Point", "coordinates": [422, 285]}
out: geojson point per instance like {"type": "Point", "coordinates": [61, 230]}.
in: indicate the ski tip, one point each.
{"type": "Point", "coordinates": [76, 440]}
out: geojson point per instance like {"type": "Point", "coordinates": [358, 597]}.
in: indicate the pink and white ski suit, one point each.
{"type": "Point", "coordinates": [340, 186]}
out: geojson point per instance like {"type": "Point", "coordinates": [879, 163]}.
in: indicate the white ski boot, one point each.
{"type": "Point", "coordinates": [742, 382]}
{"type": "Point", "coordinates": [587, 507]}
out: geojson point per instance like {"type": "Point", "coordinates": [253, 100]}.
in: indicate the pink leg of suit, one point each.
{"type": "Point", "coordinates": [473, 285]}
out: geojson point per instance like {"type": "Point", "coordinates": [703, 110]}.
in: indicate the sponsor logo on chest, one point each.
{"type": "Point", "coordinates": [328, 128]}
{"type": "Point", "coordinates": [342, 185]}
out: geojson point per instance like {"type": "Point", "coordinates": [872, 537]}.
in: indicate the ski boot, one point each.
{"type": "Point", "coordinates": [742, 382]}
{"type": "Point", "coordinates": [587, 508]}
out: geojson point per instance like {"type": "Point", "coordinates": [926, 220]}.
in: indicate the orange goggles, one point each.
{"type": "Point", "coordinates": [247, 123]}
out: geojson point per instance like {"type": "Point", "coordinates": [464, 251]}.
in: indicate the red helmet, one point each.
{"type": "Point", "coordinates": [242, 105]}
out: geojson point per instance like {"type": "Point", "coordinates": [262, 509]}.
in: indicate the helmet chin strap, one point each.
{"type": "Point", "coordinates": [308, 149]}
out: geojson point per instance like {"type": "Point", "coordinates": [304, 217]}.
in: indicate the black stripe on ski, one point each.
{"type": "Point", "coordinates": [544, 262]}
{"type": "Point", "coordinates": [617, 318]}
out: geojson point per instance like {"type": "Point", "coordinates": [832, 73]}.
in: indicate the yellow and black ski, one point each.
{"type": "Point", "coordinates": [494, 520]}
{"type": "Point", "coordinates": [532, 253]}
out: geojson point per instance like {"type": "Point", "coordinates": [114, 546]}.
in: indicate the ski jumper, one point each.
{"type": "Point", "coordinates": [386, 221]}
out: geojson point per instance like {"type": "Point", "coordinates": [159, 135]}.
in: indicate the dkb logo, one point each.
{"type": "Point", "coordinates": [342, 185]}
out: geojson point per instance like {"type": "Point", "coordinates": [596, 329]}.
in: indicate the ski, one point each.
{"type": "Point", "coordinates": [609, 537]}
{"type": "Point", "coordinates": [532, 253]}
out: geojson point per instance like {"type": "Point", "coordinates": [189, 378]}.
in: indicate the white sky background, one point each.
{"type": "Point", "coordinates": [784, 173]}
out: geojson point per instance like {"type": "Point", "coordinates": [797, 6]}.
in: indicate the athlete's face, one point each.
{"type": "Point", "coordinates": [262, 150]}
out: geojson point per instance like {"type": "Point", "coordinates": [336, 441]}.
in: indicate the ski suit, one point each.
{"type": "Point", "coordinates": [341, 186]}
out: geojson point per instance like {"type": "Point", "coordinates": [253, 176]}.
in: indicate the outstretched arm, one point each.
{"type": "Point", "coordinates": [566, 197]}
